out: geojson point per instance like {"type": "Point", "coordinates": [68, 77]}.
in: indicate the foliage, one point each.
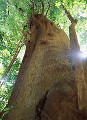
{"type": "Point", "coordinates": [5, 111]}
{"type": "Point", "coordinates": [14, 14]}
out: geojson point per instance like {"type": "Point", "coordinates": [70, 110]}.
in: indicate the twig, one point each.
{"type": "Point", "coordinates": [31, 1]}
{"type": "Point", "coordinates": [48, 9]}
{"type": "Point", "coordinates": [42, 9]}
{"type": "Point", "coordinates": [33, 9]}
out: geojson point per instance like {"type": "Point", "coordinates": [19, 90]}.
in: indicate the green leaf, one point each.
{"type": "Point", "coordinates": [6, 109]}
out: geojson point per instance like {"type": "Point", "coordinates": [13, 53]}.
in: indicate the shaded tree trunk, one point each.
{"type": "Point", "coordinates": [45, 88]}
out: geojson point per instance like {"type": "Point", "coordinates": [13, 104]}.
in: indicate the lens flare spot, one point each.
{"type": "Point", "coordinates": [83, 54]}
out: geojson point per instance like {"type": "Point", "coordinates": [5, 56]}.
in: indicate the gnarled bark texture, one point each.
{"type": "Point", "coordinates": [44, 88]}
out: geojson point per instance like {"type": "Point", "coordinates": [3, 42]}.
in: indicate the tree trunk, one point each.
{"type": "Point", "coordinates": [45, 89]}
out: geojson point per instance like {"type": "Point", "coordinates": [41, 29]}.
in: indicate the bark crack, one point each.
{"type": "Point", "coordinates": [40, 106]}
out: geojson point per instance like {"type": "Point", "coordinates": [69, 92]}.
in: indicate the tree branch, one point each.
{"type": "Point", "coordinates": [33, 9]}
{"type": "Point", "coordinates": [14, 58]}
{"type": "Point", "coordinates": [48, 9]}
{"type": "Point", "coordinates": [68, 14]}
{"type": "Point", "coordinates": [31, 1]}
{"type": "Point", "coordinates": [11, 63]}
{"type": "Point", "coordinates": [42, 9]}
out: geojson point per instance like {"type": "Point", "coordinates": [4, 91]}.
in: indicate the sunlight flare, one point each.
{"type": "Point", "coordinates": [84, 54]}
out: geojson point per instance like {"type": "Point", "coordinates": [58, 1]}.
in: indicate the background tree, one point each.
{"type": "Point", "coordinates": [14, 14]}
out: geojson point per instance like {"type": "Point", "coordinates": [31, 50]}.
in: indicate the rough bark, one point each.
{"type": "Point", "coordinates": [61, 102]}
{"type": "Point", "coordinates": [44, 88]}
{"type": "Point", "coordinates": [45, 62]}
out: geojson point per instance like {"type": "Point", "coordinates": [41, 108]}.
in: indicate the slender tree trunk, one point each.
{"type": "Point", "coordinates": [77, 68]}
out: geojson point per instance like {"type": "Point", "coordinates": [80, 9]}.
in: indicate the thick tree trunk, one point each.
{"type": "Point", "coordinates": [44, 88]}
